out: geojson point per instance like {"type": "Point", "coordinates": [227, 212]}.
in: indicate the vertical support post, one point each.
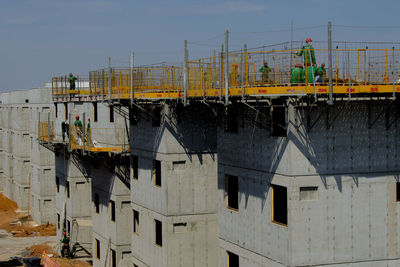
{"type": "Point", "coordinates": [226, 68]}
{"type": "Point", "coordinates": [119, 85]}
{"type": "Point", "coordinates": [348, 71]}
{"type": "Point", "coordinates": [109, 80]}
{"type": "Point", "coordinates": [185, 73]}
{"type": "Point", "coordinates": [132, 57]}
{"type": "Point", "coordinates": [291, 45]}
{"type": "Point", "coordinates": [246, 69]}
{"type": "Point", "coordinates": [221, 64]}
{"type": "Point", "coordinates": [242, 70]}
{"type": "Point", "coordinates": [90, 83]}
{"type": "Point", "coordinates": [393, 76]}
{"type": "Point", "coordinates": [330, 71]}
{"type": "Point", "coordinates": [213, 71]}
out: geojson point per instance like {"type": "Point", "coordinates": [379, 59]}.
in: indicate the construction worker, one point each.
{"type": "Point", "coordinates": [77, 122]}
{"type": "Point", "coordinates": [265, 70]}
{"type": "Point", "coordinates": [65, 245]}
{"type": "Point", "coordinates": [308, 52]}
{"type": "Point", "coordinates": [64, 126]}
{"type": "Point", "coordinates": [78, 130]}
{"type": "Point", "coordinates": [297, 74]}
{"type": "Point", "coordinates": [320, 73]}
{"type": "Point", "coordinates": [71, 80]}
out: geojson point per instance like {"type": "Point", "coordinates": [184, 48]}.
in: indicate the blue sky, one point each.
{"type": "Point", "coordinates": [42, 38]}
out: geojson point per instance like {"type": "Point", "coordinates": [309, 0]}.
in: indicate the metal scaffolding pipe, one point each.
{"type": "Point", "coordinates": [226, 68]}
{"type": "Point", "coordinates": [132, 57]}
{"type": "Point", "coordinates": [185, 73]}
{"type": "Point", "coordinates": [330, 73]}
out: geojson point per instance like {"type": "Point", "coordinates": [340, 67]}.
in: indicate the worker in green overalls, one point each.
{"type": "Point", "coordinates": [65, 245]}
{"type": "Point", "coordinates": [310, 63]}
{"type": "Point", "coordinates": [320, 73]}
{"type": "Point", "coordinates": [71, 80]}
{"type": "Point", "coordinates": [297, 74]}
{"type": "Point", "coordinates": [308, 52]}
{"type": "Point", "coordinates": [265, 70]}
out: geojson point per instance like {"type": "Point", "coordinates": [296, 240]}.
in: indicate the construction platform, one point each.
{"type": "Point", "coordinates": [364, 70]}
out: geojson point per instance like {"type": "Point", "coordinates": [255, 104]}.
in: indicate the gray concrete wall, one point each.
{"type": "Point", "coordinates": [78, 205]}
{"type": "Point", "coordinates": [185, 203]}
{"type": "Point", "coordinates": [19, 141]}
{"type": "Point", "coordinates": [111, 234]}
{"type": "Point", "coordinates": [354, 217]}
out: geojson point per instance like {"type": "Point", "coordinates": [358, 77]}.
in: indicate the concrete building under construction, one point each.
{"type": "Point", "coordinates": [215, 163]}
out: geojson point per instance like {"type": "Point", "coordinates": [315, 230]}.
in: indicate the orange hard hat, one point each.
{"type": "Point", "coordinates": [308, 39]}
{"type": "Point", "coordinates": [77, 117]}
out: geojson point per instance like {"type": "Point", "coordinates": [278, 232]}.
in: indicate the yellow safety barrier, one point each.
{"type": "Point", "coordinates": [362, 70]}
{"type": "Point", "coordinates": [46, 132]}
{"type": "Point", "coordinates": [98, 139]}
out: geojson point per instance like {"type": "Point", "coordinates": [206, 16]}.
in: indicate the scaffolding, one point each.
{"type": "Point", "coordinates": [357, 68]}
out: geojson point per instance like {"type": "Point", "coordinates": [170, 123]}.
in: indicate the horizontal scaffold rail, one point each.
{"type": "Point", "coordinates": [248, 73]}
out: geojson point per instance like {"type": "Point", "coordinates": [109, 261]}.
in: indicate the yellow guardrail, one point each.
{"type": "Point", "coordinates": [98, 139]}
{"type": "Point", "coordinates": [362, 70]}
{"type": "Point", "coordinates": [46, 131]}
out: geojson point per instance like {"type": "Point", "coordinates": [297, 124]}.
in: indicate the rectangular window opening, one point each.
{"type": "Point", "coordinates": [134, 167]}
{"type": "Point", "coordinates": [157, 172]}
{"type": "Point", "coordinates": [112, 210]}
{"type": "Point", "coordinates": [95, 111]}
{"type": "Point", "coordinates": [97, 248]}
{"type": "Point", "coordinates": [111, 113]}
{"type": "Point", "coordinates": [279, 204]}
{"type": "Point", "coordinates": [68, 227]}
{"type": "Point", "coordinates": [67, 189]}
{"type": "Point", "coordinates": [113, 258]}
{"type": "Point", "coordinates": [96, 203]}
{"type": "Point", "coordinates": [55, 110]}
{"type": "Point", "coordinates": [58, 184]}
{"type": "Point", "coordinates": [135, 221]}
{"type": "Point", "coordinates": [233, 259]}
{"type": "Point", "coordinates": [398, 192]}
{"type": "Point", "coordinates": [232, 192]}
{"type": "Point", "coordinates": [58, 221]}
{"type": "Point", "coordinates": [158, 232]}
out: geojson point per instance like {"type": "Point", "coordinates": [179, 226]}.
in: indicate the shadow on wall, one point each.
{"type": "Point", "coordinates": [350, 138]}
{"type": "Point", "coordinates": [193, 127]}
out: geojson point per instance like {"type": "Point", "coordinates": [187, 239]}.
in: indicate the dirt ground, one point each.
{"type": "Point", "coordinates": [19, 224]}
{"type": "Point", "coordinates": [21, 237]}
{"type": "Point", "coordinates": [37, 251]}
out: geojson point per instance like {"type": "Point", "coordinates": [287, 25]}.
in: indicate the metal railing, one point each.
{"type": "Point", "coordinates": [62, 86]}
{"type": "Point", "coordinates": [206, 77]}
{"type": "Point", "coordinates": [46, 131]}
{"type": "Point", "coordinates": [98, 139]}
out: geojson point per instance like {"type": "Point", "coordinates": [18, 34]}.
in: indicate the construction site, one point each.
{"type": "Point", "coordinates": [216, 161]}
